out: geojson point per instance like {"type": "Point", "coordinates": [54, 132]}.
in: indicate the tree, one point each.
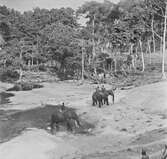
{"type": "Point", "coordinates": [164, 45]}
{"type": "Point", "coordinates": [101, 19]}
{"type": "Point", "coordinates": [60, 43]}
{"type": "Point", "coordinates": [54, 37]}
{"type": "Point", "coordinates": [159, 12]}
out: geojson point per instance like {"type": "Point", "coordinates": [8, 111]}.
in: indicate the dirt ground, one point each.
{"type": "Point", "coordinates": [137, 119]}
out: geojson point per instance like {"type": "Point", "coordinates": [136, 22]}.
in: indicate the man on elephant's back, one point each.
{"type": "Point", "coordinates": [97, 89]}
{"type": "Point", "coordinates": [103, 89]}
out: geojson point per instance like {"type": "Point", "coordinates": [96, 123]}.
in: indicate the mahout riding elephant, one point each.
{"type": "Point", "coordinates": [66, 117]}
{"type": "Point", "coordinates": [101, 97]}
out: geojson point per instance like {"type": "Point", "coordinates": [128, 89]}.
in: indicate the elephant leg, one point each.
{"type": "Point", "coordinates": [107, 101]}
{"type": "Point", "coordinates": [100, 103]}
{"type": "Point", "coordinates": [69, 125]}
{"type": "Point", "coordinates": [52, 130]}
{"type": "Point", "coordinates": [113, 98]}
{"type": "Point", "coordinates": [104, 102]}
{"type": "Point", "coordinates": [57, 127]}
{"type": "Point", "coordinates": [51, 127]}
{"type": "Point", "coordinates": [78, 123]}
{"type": "Point", "coordinates": [94, 102]}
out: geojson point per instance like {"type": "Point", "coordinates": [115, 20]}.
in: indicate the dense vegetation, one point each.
{"type": "Point", "coordinates": [114, 39]}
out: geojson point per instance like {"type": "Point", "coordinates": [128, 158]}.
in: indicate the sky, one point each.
{"type": "Point", "coordinates": [24, 5]}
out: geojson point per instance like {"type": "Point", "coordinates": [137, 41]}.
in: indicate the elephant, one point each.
{"type": "Point", "coordinates": [101, 97]}
{"type": "Point", "coordinates": [57, 118]}
{"type": "Point", "coordinates": [65, 117]}
{"type": "Point", "coordinates": [71, 115]}
{"type": "Point", "coordinates": [105, 95]}
{"type": "Point", "coordinates": [97, 98]}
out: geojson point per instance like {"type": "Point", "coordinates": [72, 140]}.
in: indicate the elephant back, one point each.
{"type": "Point", "coordinates": [57, 117]}
{"type": "Point", "coordinates": [104, 93]}
{"type": "Point", "coordinates": [98, 95]}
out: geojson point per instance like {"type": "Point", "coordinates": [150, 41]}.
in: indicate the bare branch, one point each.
{"type": "Point", "coordinates": [159, 7]}
{"type": "Point", "coordinates": [154, 32]}
{"type": "Point", "coordinates": [157, 35]}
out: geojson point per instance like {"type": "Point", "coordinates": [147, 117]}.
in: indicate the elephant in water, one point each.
{"type": "Point", "coordinates": [66, 117]}
{"type": "Point", "coordinates": [101, 97]}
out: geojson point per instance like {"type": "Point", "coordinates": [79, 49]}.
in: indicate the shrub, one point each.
{"type": "Point", "coordinates": [24, 86]}
{"type": "Point", "coordinates": [42, 68]}
{"type": "Point", "coordinates": [9, 75]}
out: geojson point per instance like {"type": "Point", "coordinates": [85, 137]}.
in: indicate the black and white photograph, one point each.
{"type": "Point", "coordinates": [83, 79]}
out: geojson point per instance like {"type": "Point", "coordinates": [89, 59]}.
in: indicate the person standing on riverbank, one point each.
{"type": "Point", "coordinates": [144, 155]}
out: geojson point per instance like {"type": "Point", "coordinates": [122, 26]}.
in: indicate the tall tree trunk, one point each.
{"type": "Point", "coordinates": [146, 48]}
{"type": "Point", "coordinates": [153, 36]}
{"type": "Point", "coordinates": [94, 51]}
{"type": "Point", "coordinates": [136, 55]}
{"type": "Point", "coordinates": [149, 50]}
{"type": "Point", "coordinates": [131, 49]}
{"type": "Point", "coordinates": [38, 65]}
{"type": "Point", "coordinates": [89, 59]}
{"type": "Point", "coordinates": [20, 69]}
{"type": "Point", "coordinates": [142, 56]}
{"type": "Point", "coordinates": [37, 62]}
{"type": "Point", "coordinates": [82, 78]}
{"type": "Point", "coordinates": [29, 65]}
{"type": "Point", "coordinates": [164, 46]}
{"type": "Point", "coordinates": [37, 53]}
{"type": "Point", "coordinates": [133, 62]}
{"type": "Point", "coordinates": [21, 74]}
{"type": "Point", "coordinates": [32, 61]}
{"type": "Point", "coordinates": [4, 63]}
{"type": "Point", "coordinates": [115, 62]}
{"type": "Point", "coordinates": [131, 54]}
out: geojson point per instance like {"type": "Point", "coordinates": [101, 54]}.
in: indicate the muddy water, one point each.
{"type": "Point", "coordinates": [13, 122]}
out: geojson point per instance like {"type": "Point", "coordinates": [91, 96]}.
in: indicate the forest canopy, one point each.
{"type": "Point", "coordinates": [114, 36]}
